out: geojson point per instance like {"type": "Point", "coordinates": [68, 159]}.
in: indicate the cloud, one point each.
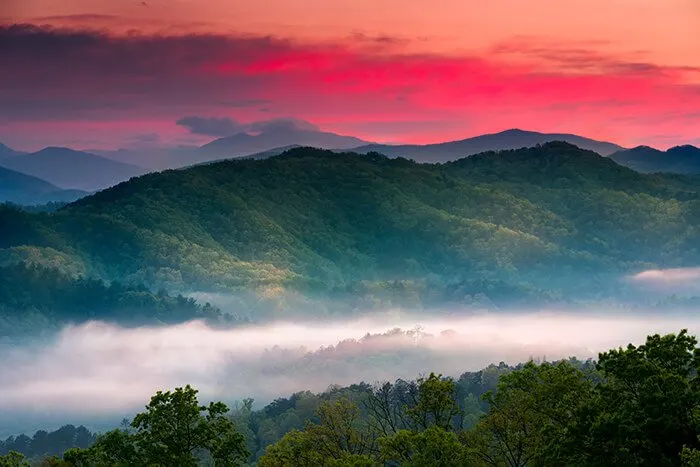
{"type": "Point", "coordinates": [145, 138]}
{"type": "Point", "coordinates": [211, 126]}
{"type": "Point", "coordinates": [668, 276]}
{"type": "Point", "coordinates": [380, 42]}
{"type": "Point", "coordinates": [225, 126]}
{"type": "Point", "coordinates": [62, 76]}
{"type": "Point", "coordinates": [245, 103]}
{"type": "Point", "coordinates": [79, 18]}
{"type": "Point", "coordinates": [282, 124]}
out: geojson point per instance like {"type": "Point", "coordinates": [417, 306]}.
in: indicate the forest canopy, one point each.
{"type": "Point", "coordinates": [549, 224]}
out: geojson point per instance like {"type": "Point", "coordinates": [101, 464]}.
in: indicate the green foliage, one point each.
{"type": "Point", "coordinates": [641, 408]}
{"type": "Point", "coordinates": [436, 403]}
{"type": "Point", "coordinates": [648, 407]}
{"type": "Point", "coordinates": [638, 406]}
{"type": "Point", "coordinates": [346, 436]}
{"type": "Point", "coordinates": [530, 413]}
{"type": "Point", "coordinates": [435, 446]}
{"type": "Point", "coordinates": [116, 448]}
{"type": "Point", "coordinates": [174, 426]}
{"type": "Point", "coordinates": [35, 299]}
{"type": "Point", "coordinates": [44, 443]}
{"type": "Point", "coordinates": [690, 457]}
{"type": "Point", "coordinates": [512, 227]}
{"type": "Point", "coordinates": [296, 448]}
{"type": "Point", "coordinates": [338, 439]}
{"type": "Point", "coordinates": [13, 459]}
{"type": "Point", "coordinates": [173, 431]}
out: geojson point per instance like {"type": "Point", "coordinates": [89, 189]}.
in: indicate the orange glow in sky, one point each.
{"type": "Point", "coordinates": [388, 70]}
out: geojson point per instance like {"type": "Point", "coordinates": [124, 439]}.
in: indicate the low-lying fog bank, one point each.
{"type": "Point", "coordinates": [101, 370]}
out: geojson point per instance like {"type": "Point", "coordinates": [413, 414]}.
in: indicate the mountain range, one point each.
{"type": "Point", "coordinates": [20, 188]}
{"type": "Point", "coordinates": [274, 140]}
{"type": "Point", "coordinates": [509, 139]}
{"type": "Point", "coordinates": [99, 169]}
{"type": "Point", "coordinates": [679, 159]}
{"type": "Point", "coordinates": [553, 222]}
{"type": "Point", "coordinates": [70, 169]}
{"type": "Point", "coordinates": [242, 144]}
{"type": "Point", "coordinates": [6, 151]}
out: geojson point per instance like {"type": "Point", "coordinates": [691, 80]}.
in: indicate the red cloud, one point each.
{"type": "Point", "coordinates": [53, 74]}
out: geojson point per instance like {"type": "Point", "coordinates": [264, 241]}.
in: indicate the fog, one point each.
{"type": "Point", "coordinates": [102, 370]}
{"type": "Point", "coordinates": [676, 280]}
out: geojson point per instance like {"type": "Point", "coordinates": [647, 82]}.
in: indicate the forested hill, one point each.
{"type": "Point", "coordinates": [542, 223]}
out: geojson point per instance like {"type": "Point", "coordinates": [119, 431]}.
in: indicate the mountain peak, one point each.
{"type": "Point", "coordinates": [6, 151]}
{"type": "Point", "coordinates": [56, 150]}
{"type": "Point", "coordinates": [516, 131]}
{"type": "Point", "coordinates": [68, 168]}
{"type": "Point", "coordinates": [513, 138]}
{"type": "Point", "coordinates": [20, 188]}
{"type": "Point", "coordinates": [271, 138]}
{"type": "Point", "coordinates": [643, 147]}
{"type": "Point", "coordinates": [685, 148]}
{"type": "Point", "coordinates": [678, 159]}
{"type": "Point", "coordinates": [553, 164]}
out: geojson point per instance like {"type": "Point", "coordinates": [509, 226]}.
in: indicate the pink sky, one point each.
{"type": "Point", "coordinates": [98, 73]}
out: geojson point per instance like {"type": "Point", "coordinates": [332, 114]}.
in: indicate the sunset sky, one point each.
{"type": "Point", "coordinates": [108, 73]}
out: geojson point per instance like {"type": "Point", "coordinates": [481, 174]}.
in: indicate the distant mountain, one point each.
{"type": "Point", "coordinates": [20, 188]}
{"type": "Point", "coordinates": [70, 169]}
{"type": "Point", "coordinates": [151, 158]}
{"type": "Point", "coordinates": [679, 159]}
{"type": "Point", "coordinates": [274, 140]}
{"type": "Point", "coordinates": [509, 139]}
{"type": "Point", "coordinates": [243, 144]}
{"type": "Point", "coordinates": [270, 153]}
{"type": "Point", "coordinates": [6, 151]}
{"type": "Point", "coordinates": [257, 156]}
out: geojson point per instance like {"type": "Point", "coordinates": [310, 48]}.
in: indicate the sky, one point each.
{"type": "Point", "coordinates": [105, 73]}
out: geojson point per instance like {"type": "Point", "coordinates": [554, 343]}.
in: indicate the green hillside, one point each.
{"type": "Point", "coordinates": [547, 223]}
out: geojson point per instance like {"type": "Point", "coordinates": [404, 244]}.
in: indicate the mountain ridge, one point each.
{"type": "Point", "coordinates": [6, 151]}
{"type": "Point", "coordinates": [684, 159]}
{"type": "Point", "coordinates": [564, 222]}
{"type": "Point", "coordinates": [243, 144]}
{"type": "Point", "coordinates": [71, 169]}
{"type": "Point", "coordinates": [275, 141]}
{"type": "Point", "coordinates": [508, 139]}
{"type": "Point", "coordinates": [19, 188]}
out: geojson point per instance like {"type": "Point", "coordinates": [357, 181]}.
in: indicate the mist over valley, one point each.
{"type": "Point", "coordinates": [283, 233]}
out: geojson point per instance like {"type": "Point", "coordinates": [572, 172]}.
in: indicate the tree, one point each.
{"type": "Point", "coordinates": [13, 459]}
{"type": "Point", "coordinates": [434, 446]}
{"type": "Point", "coordinates": [386, 406]}
{"type": "Point", "coordinates": [436, 405]}
{"type": "Point", "coordinates": [115, 448]}
{"type": "Point", "coordinates": [530, 415]}
{"type": "Point", "coordinates": [174, 426]}
{"type": "Point", "coordinates": [296, 448]}
{"type": "Point", "coordinates": [690, 457]}
{"type": "Point", "coordinates": [640, 407]}
{"type": "Point", "coordinates": [173, 431]}
{"type": "Point", "coordinates": [55, 461]}
{"type": "Point", "coordinates": [338, 439]}
{"type": "Point", "coordinates": [649, 404]}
